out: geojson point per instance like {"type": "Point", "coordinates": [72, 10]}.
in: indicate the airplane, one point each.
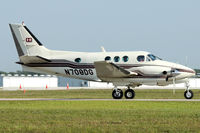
{"type": "Point", "coordinates": [130, 69]}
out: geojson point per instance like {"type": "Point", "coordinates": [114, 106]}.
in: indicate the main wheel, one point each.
{"type": "Point", "coordinates": [117, 94]}
{"type": "Point", "coordinates": [188, 94]}
{"type": "Point", "coordinates": [129, 94]}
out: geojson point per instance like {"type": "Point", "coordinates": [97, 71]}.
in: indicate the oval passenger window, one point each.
{"type": "Point", "coordinates": [116, 58]}
{"type": "Point", "coordinates": [141, 58]}
{"type": "Point", "coordinates": [107, 58]}
{"type": "Point", "coordinates": [78, 60]}
{"type": "Point", "coordinates": [125, 58]}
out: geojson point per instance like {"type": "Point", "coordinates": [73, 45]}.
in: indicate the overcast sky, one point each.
{"type": "Point", "coordinates": [169, 29]}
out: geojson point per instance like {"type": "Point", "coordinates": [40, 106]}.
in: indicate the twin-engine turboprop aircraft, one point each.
{"type": "Point", "coordinates": [129, 69]}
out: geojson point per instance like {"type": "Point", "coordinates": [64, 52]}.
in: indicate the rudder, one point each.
{"type": "Point", "coordinates": [26, 43]}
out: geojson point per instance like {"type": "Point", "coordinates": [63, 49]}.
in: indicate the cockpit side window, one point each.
{"type": "Point", "coordinates": [141, 58]}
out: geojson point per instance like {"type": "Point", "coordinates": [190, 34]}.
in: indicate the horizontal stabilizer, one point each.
{"type": "Point", "coordinates": [110, 70]}
{"type": "Point", "coordinates": [33, 59]}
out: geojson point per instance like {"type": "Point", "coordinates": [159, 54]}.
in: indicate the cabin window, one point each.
{"type": "Point", "coordinates": [107, 58]}
{"type": "Point", "coordinates": [125, 58]}
{"type": "Point", "coordinates": [141, 58]}
{"type": "Point", "coordinates": [78, 60]}
{"type": "Point", "coordinates": [116, 58]}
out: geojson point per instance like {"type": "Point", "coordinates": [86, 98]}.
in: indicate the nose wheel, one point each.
{"type": "Point", "coordinates": [188, 94]}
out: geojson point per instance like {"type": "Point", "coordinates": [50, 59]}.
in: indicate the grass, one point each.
{"type": "Point", "coordinates": [92, 93]}
{"type": "Point", "coordinates": [99, 116]}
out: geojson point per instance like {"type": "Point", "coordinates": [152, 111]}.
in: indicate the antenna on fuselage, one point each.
{"type": "Point", "coordinates": [103, 49]}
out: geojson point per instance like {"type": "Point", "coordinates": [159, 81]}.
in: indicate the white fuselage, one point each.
{"type": "Point", "coordinates": [64, 64]}
{"type": "Point", "coordinates": [122, 68]}
{"type": "Point", "coordinates": [129, 69]}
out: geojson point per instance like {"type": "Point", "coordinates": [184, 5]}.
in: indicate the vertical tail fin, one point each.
{"type": "Point", "coordinates": [26, 43]}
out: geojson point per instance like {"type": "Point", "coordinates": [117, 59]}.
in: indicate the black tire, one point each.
{"type": "Point", "coordinates": [188, 94]}
{"type": "Point", "coordinates": [118, 95]}
{"type": "Point", "coordinates": [129, 94]}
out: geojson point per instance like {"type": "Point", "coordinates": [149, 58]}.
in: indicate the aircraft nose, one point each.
{"type": "Point", "coordinates": [188, 72]}
{"type": "Point", "coordinates": [193, 72]}
{"type": "Point", "coordinates": [184, 72]}
{"type": "Point", "coordinates": [181, 71]}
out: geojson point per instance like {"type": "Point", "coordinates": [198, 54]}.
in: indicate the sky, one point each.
{"type": "Point", "coordinates": [169, 29]}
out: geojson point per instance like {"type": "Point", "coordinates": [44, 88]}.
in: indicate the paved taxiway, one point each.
{"type": "Point", "coordinates": [54, 99]}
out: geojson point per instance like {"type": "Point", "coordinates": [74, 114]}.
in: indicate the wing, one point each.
{"type": "Point", "coordinates": [110, 70]}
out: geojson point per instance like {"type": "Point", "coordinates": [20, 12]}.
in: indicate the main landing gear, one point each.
{"type": "Point", "coordinates": [188, 94]}
{"type": "Point", "coordinates": [118, 93]}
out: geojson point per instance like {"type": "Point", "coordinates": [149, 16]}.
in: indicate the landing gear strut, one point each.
{"type": "Point", "coordinates": [188, 94]}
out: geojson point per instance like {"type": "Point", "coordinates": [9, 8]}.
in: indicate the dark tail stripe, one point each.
{"type": "Point", "coordinates": [39, 43]}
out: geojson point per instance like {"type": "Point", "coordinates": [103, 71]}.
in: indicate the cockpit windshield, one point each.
{"type": "Point", "coordinates": [153, 57]}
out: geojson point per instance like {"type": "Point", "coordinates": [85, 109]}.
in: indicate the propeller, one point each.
{"type": "Point", "coordinates": [172, 73]}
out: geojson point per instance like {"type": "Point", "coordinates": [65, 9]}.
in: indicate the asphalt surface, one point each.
{"type": "Point", "coordinates": [54, 99]}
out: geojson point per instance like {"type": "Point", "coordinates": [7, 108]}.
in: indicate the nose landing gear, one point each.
{"type": "Point", "coordinates": [188, 94]}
